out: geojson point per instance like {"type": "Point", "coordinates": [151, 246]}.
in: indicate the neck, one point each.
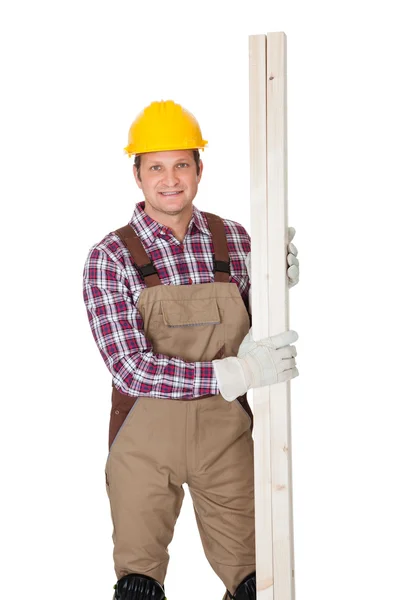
{"type": "Point", "coordinates": [178, 222]}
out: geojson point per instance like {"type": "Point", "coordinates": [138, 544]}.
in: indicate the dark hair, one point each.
{"type": "Point", "coordinates": [196, 155]}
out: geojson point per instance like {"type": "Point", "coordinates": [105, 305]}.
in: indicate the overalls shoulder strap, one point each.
{"type": "Point", "coordinates": [221, 259]}
{"type": "Point", "coordinates": [143, 262]}
{"type": "Point", "coordinates": [139, 255]}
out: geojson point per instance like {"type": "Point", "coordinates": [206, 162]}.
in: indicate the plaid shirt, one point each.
{"type": "Point", "coordinates": [111, 289]}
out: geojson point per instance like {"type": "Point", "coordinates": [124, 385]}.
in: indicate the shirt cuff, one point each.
{"type": "Point", "coordinates": [205, 381]}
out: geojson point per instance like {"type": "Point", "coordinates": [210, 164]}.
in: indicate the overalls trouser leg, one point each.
{"type": "Point", "coordinates": [157, 444]}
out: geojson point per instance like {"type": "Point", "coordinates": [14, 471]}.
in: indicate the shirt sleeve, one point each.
{"type": "Point", "coordinates": [117, 328]}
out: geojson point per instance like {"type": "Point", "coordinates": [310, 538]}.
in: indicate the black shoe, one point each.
{"type": "Point", "coordinates": [246, 590]}
{"type": "Point", "coordinates": [138, 587]}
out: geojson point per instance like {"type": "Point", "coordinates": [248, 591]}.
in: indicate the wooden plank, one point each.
{"type": "Point", "coordinates": [259, 284]}
{"type": "Point", "coordinates": [270, 308]}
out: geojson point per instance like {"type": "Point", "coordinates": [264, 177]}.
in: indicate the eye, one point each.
{"type": "Point", "coordinates": [154, 167]}
{"type": "Point", "coordinates": [186, 164]}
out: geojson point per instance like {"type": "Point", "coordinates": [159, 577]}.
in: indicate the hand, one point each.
{"type": "Point", "coordinates": [292, 260]}
{"type": "Point", "coordinates": [268, 361]}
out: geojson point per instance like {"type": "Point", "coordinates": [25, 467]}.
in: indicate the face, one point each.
{"type": "Point", "coordinates": [173, 171]}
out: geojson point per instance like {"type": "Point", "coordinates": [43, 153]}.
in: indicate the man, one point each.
{"type": "Point", "coordinates": [167, 298]}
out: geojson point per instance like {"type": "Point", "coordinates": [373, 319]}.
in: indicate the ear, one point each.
{"type": "Point", "coordinates": [135, 174]}
{"type": "Point", "coordinates": [201, 170]}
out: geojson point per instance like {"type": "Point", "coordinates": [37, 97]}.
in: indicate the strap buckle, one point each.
{"type": "Point", "coordinates": [222, 265]}
{"type": "Point", "coordinates": [147, 270]}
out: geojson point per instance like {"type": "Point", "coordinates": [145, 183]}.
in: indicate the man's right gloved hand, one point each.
{"type": "Point", "coordinates": [268, 361]}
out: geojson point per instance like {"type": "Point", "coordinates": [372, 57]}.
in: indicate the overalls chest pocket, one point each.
{"type": "Point", "coordinates": [193, 312]}
{"type": "Point", "coordinates": [190, 329]}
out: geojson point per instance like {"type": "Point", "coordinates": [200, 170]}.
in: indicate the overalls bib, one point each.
{"type": "Point", "coordinates": [157, 444]}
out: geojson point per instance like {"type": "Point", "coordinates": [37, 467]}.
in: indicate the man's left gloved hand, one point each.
{"type": "Point", "coordinates": [292, 260]}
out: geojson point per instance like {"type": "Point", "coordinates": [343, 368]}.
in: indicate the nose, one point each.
{"type": "Point", "coordinates": [170, 178]}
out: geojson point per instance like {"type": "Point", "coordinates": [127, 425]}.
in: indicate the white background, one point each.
{"type": "Point", "coordinates": [74, 75]}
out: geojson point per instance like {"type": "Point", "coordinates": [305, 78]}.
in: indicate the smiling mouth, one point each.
{"type": "Point", "coordinates": [170, 194]}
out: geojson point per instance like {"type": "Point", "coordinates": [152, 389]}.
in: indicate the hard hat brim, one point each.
{"type": "Point", "coordinates": [131, 150]}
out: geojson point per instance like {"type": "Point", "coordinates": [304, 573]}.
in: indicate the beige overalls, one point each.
{"type": "Point", "coordinates": [156, 444]}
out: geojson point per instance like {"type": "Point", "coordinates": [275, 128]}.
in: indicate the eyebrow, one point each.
{"type": "Point", "coordinates": [159, 162]}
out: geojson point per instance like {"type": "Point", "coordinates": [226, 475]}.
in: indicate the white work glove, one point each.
{"type": "Point", "coordinates": [268, 361]}
{"type": "Point", "coordinates": [292, 260]}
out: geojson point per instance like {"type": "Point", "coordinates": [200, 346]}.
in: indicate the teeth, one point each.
{"type": "Point", "coordinates": [170, 193]}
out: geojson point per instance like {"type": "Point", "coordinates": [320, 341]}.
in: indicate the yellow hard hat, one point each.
{"type": "Point", "coordinates": [164, 125]}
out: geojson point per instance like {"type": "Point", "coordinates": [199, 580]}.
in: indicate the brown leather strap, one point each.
{"type": "Point", "coordinates": [221, 254]}
{"type": "Point", "coordinates": [140, 257]}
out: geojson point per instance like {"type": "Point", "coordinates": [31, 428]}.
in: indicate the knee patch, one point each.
{"type": "Point", "coordinates": [138, 587]}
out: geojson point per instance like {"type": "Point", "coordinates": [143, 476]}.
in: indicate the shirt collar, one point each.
{"type": "Point", "coordinates": [148, 229]}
